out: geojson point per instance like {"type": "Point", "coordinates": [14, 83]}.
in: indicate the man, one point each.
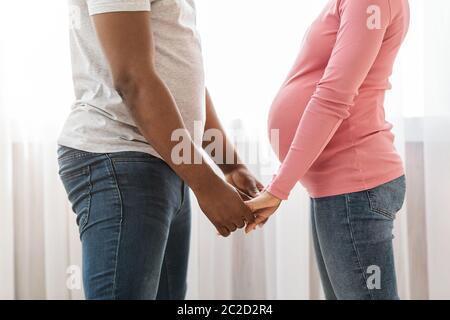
{"type": "Point", "coordinates": [138, 78]}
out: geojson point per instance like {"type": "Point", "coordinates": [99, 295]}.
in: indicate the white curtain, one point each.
{"type": "Point", "coordinates": [249, 47]}
{"type": "Point", "coordinates": [437, 145]}
{"type": "Point", "coordinates": [38, 238]}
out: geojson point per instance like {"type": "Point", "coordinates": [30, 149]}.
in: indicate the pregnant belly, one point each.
{"type": "Point", "coordinates": [285, 115]}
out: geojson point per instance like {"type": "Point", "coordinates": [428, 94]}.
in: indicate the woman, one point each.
{"type": "Point", "coordinates": [335, 140]}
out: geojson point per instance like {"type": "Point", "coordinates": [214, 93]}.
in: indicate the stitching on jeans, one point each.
{"type": "Point", "coordinates": [83, 227]}
{"type": "Point", "coordinates": [377, 210]}
{"type": "Point", "coordinates": [75, 174]}
{"type": "Point", "coordinates": [119, 196]}
{"type": "Point", "coordinates": [313, 213]}
{"type": "Point", "coordinates": [78, 155]}
{"type": "Point", "coordinates": [134, 160]}
{"type": "Point", "coordinates": [183, 197]}
{"type": "Point", "coordinates": [354, 245]}
{"type": "Point", "coordinates": [167, 278]}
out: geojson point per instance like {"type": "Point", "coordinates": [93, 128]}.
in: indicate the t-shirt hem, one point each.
{"type": "Point", "coordinates": [137, 5]}
{"type": "Point", "coordinates": [95, 148]}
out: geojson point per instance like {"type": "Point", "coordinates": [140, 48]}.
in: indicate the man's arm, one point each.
{"type": "Point", "coordinates": [236, 173]}
{"type": "Point", "coordinates": [127, 42]}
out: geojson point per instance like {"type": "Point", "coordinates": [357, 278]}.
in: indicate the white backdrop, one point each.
{"type": "Point", "coordinates": [249, 46]}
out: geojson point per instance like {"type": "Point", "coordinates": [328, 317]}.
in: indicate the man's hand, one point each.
{"type": "Point", "coordinates": [243, 180]}
{"type": "Point", "coordinates": [224, 207]}
{"type": "Point", "coordinates": [263, 207]}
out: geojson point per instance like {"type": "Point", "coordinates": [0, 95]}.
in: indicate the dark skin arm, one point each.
{"type": "Point", "coordinates": [127, 42]}
{"type": "Point", "coordinates": [236, 173]}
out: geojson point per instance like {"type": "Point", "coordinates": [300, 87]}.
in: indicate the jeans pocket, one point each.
{"type": "Point", "coordinates": [67, 174]}
{"type": "Point", "coordinates": [388, 199]}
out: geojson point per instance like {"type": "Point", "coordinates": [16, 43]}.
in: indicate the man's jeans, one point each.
{"type": "Point", "coordinates": [134, 218]}
{"type": "Point", "coordinates": [352, 236]}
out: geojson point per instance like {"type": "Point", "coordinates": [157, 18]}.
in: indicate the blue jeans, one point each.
{"type": "Point", "coordinates": [352, 237]}
{"type": "Point", "coordinates": [134, 218]}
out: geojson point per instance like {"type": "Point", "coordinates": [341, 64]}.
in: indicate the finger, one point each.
{"type": "Point", "coordinates": [261, 217]}
{"type": "Point", "coordinates": [241, 224]}
{"type": "Point", "coordinates": [254, 204]}
{"type": "Point", "coordinates": [249, 217]}
{"type": "Point", "coordinates": [259, 203]}
{"type": "Point", "coordinates": [232, 227]}
{"type": "Point", "coordinates": [263, 223]}
{"type": "Point", "coordinates": [260, 186]}
{"type": "Point", "coordinates": [252, 227]}
{"type": "Point", "coordinates": [224, 232]}
{"type": "Point", "coordinates": [252, 189]}
{"type": "Point", "coordinates": [244, 196]}
{"type": "Point", "coordinates": [249, 228]}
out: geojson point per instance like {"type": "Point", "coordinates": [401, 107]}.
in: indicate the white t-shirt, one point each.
{"type": "Point", "coordinates": [100, 121]}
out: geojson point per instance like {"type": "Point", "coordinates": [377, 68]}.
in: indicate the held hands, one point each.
{"type": "Point", "coordinates": [223, 206]}
{"type": "Point", "coordinates": [223, 202]}
{"type": "Point", "coordinates": [236, 203]}
{"type": "Point", "coordinates": [263, 207]}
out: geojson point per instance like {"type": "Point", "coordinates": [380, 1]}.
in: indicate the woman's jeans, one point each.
{"type": "Point", "coordinates": [352, 236]}
{"type": "Point", "coordinates": [134, 218]}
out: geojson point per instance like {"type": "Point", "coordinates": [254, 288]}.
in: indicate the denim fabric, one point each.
{"type": "Point", "coordinates": [134, 219]}
{"type": "Point", "coordinates": [352, 237]}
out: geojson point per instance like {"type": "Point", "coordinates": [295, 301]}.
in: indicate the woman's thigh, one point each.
{"type": "Point", "coordinates": [355, 232]}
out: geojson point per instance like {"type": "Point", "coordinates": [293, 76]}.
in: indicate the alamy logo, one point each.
{"type": "Point", "coordinates": [374, 279]}
{"type": "Point", "coordinates": [73, 281]}
{"type": "Point", "coordinates": [374, 19]}
{"type": "Point", "coordinates": [214, 145]}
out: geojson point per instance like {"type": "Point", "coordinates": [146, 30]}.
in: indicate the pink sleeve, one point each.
{"type": "Point", "coordinates": [357, 47]}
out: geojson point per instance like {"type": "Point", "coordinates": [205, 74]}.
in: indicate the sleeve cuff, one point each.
{"type": "Point", "coordinates": [106, 6]}
{"type": "Point", "coordinates": [276, 192]}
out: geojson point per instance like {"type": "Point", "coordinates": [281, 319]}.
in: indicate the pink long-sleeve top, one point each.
{"type": "Point", "coordinates": [333, 136]}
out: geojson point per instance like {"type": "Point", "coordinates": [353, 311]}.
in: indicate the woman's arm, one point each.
{"type": "Point", "coordinates": [357, 47]}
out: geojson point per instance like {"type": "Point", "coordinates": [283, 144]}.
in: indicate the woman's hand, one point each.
{"type": "Point", "coordinates": [262, 207]}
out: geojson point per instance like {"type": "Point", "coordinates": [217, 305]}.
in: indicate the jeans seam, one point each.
{"type": "Point", "coordinates": [119, 196]}
{"type": "Point", "coordinates": [143, 160]}
{"type": "Point", "coordinates": [167, 277]}
{"type": "Point", "coordinates": [183, 197]}
{"type": "Point", "coordinates": [88, 206]}
{"type": "Point", "coordinates": [354, 245]}
{"type": "Point", "coordinates": [314, 225]}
